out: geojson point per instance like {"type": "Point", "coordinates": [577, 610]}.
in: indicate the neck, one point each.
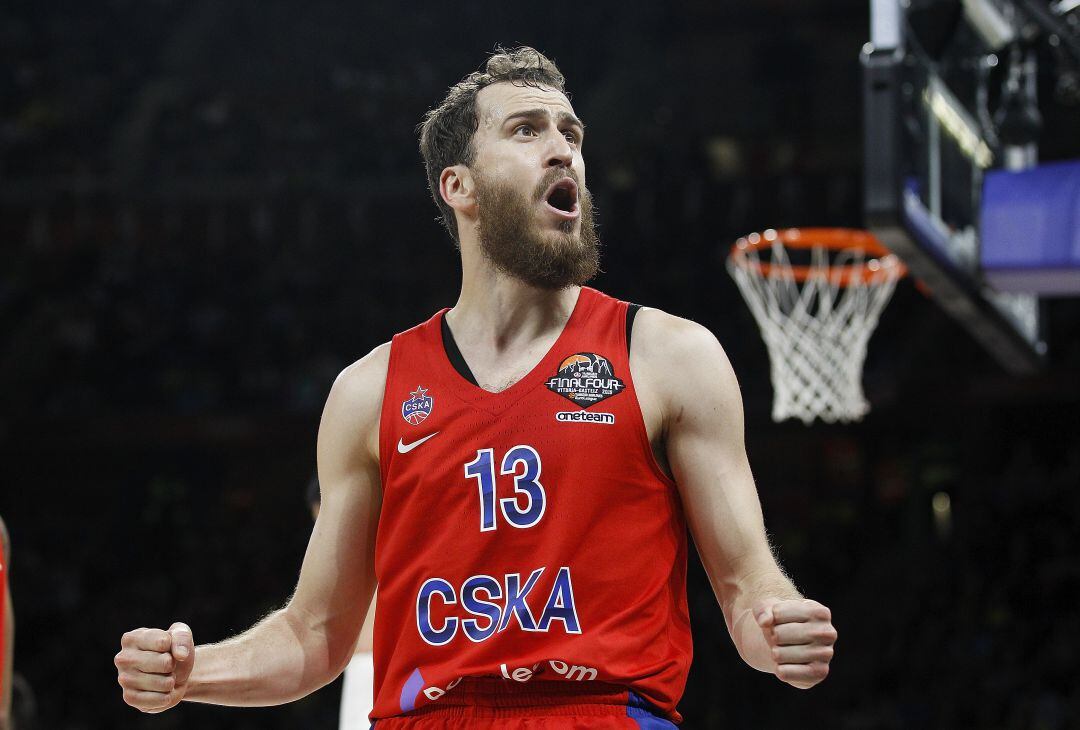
{"type": "Point", "coordinates": [497, 311]}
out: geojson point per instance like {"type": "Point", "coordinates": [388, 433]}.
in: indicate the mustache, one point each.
{"type": "Point", "coordinates": [553, 176]}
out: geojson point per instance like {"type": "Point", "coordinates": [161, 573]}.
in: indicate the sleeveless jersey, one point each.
{"type": "Point", "coordinates": [526, 536]}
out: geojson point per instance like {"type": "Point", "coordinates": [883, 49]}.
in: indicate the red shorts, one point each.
{"type": "Point", "coordinates": [498, 705]}
{"type": "Point", "coordinates": [572, 722]}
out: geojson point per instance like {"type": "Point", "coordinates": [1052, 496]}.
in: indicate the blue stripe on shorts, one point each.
{"type": "Point", "coordinates": [645, 714]}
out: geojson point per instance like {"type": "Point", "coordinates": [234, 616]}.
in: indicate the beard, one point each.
{"type": "Point", "coordinates": [512, 240]}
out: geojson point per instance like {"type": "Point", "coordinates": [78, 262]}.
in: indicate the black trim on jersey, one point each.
{"type": "Point", "coordinates": [631, 312]}
{"type": "Point", "coordinates": [454, 354]}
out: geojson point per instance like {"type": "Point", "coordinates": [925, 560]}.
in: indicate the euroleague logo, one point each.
{"type": "Point", "coordinates": [585, 378]}
{"type": "Point", "coordinates": [418, 407]}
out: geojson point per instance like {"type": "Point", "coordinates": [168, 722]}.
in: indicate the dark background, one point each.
{"type": "Point", "coordinates": [208, 209]}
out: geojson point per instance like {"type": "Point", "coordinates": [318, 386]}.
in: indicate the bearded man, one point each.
{"type": "Point", "coordinates": [519, 472]}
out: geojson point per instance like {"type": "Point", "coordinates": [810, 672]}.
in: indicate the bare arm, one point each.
{"type": "Point", "coordinates": [306, 644]}
{"type": "Point", "coordinates": [702, 424]}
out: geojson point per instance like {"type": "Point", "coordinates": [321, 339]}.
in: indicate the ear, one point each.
{"type": "Point", "coordinates": [458, 188]}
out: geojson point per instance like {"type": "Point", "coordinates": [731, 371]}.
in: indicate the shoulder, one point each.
{"type": "Point", "coordinates": [680, 361]}
{"type": "Point", "coordinates": [656, 332]}
{"type": "Point", "coordinates": [662, 341]}
{"type": "Point", "coordinates": [355, 401]}
{"type": "Point", "coordinates": [365, 378]}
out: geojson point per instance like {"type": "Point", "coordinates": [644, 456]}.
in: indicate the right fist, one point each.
{"type": "Point", "coordinates": [154, 665]}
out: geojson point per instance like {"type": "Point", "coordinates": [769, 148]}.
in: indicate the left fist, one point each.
{"type": "Point", "coordinates": [800, 636]}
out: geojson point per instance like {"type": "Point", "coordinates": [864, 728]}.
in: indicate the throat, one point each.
{"type": "Point", "coordinates": [490, 368]}
{"type": "Point", "coordinates": [496, 356]}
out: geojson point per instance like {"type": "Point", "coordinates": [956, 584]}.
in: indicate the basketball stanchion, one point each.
{"type": "Point", "coordinates": [816, 294]}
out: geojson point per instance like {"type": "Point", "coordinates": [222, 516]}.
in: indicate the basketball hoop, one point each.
{"type": "Point", "coordinates": [816, 314]}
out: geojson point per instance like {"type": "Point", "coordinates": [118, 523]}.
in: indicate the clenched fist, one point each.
{"type": "Point", "coordinates": [800, 636]}
{"type": "Point", "coordinates": [154, 665]}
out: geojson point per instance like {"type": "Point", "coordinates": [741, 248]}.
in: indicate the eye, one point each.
{"type": "Point", "coordinates": [572, 137]}
{"type": "Point", "coordinates": [524, 129]}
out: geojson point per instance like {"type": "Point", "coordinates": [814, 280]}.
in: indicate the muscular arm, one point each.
{"type": "Point", "coordinates": [701, 423]}
{"type": "Point", "coordinates": [301, 647]}
{"type": "Point", "coordinates": [306, 644]}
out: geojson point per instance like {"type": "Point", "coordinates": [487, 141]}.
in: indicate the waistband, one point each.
{"type": "Point", "coordinates": [481, 697]}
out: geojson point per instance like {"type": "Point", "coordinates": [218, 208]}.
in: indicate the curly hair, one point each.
{"type": "Point", "coordinates": [446, 134]}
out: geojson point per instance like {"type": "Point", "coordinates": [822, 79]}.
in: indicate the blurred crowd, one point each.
{"type": "Point", "coordinates": [256, 299]}
{"type": "Point", "coordinates": [222, 198]}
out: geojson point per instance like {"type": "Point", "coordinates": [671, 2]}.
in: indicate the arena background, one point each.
{"type": "Point", "coordinates": [208, 209]}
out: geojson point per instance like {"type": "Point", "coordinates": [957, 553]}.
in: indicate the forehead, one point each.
{"type": "Point", "coordinates": [497, 102]}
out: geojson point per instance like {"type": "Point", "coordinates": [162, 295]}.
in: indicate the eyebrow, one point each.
{"type": "Point", "coordinates": [561, 117]}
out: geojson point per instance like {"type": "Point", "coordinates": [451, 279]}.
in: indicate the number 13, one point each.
{"type": "Point", "coordinates": [527, 483]}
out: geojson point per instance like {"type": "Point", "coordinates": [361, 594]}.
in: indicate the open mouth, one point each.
{"type": "Point", "coordinates": [562, 197]}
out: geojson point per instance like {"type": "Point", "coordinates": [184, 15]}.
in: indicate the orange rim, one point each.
{"type": "Point", "coordinates": [835, 239]}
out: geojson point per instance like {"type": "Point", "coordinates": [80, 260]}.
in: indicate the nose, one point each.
{"type": "Point", "coordinates": [560, 153]}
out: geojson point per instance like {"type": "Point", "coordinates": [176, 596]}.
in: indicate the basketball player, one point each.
{"type": "Point", "coordinates": [526, 465]}
{"type": "Point", "coordinates": [7, 630]}
{"type": "Point", "coordinates": [358, 678]}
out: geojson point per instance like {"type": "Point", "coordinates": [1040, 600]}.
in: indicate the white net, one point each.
{"type": "Point", "coordinates": [815, 325]}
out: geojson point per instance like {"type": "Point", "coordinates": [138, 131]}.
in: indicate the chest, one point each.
{"type": "Point", "coordinates": [497, 375]}
{"type": "Point", "coordinates": [512, 473]}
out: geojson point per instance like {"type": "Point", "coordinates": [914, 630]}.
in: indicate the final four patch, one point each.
{"type": "Point", "coordinates": [585, 378]}
{"type": "Point", "coordinates": [416, 409]}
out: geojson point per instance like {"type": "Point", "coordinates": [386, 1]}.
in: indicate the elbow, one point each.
{"type": "Point", "coordinates": [321, 663]}
{"type": "Point", "coordinates": [326, 652]}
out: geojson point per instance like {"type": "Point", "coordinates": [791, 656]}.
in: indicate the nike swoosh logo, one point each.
{"type": "Point", "coordinates": [404, 448]}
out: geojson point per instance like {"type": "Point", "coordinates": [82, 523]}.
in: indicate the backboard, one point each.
{"type": "Point", "coordinates": [936, 122]}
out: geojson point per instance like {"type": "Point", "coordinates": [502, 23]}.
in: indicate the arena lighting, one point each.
{"type": "Point", "coordinates": [957, 123]}
{"type": "Point", "coordinates": [886, 24]}
{"type": "Point", "coordinates": [942, 503]}
{"type": "Point", "coordinates": [942, 507]}
{"type": "Point", "coordinates": [987, 20]}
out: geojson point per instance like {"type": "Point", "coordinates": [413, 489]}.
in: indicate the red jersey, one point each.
{"type": "Point", "coordinates": [526, 536]}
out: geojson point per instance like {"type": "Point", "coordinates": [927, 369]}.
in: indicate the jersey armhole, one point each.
{"type": "Point", "coordinates": [386, 449]}
{"type": "Point", "coordinates": [643, 434]}
{"type": "Point", "coordinates": [631, 312]}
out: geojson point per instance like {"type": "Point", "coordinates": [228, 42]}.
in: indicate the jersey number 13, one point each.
{"type": "Point", "coordinates": [523, 463]}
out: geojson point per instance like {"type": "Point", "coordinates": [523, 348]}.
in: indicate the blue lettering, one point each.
{"type": "Point", "coordinates": [515, 601]}
{"type": "Point", "coordinates": [433, 636]}
{"type": "Point", "coordinates": [479, 607]}
{"type": "Point", "coordinates": [560, 604]}
{"type": "Point", "coordinates": [488, 606]}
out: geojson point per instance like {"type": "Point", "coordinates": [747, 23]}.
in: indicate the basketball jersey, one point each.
{"type": "Point", "coordinates": [526, 536]}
